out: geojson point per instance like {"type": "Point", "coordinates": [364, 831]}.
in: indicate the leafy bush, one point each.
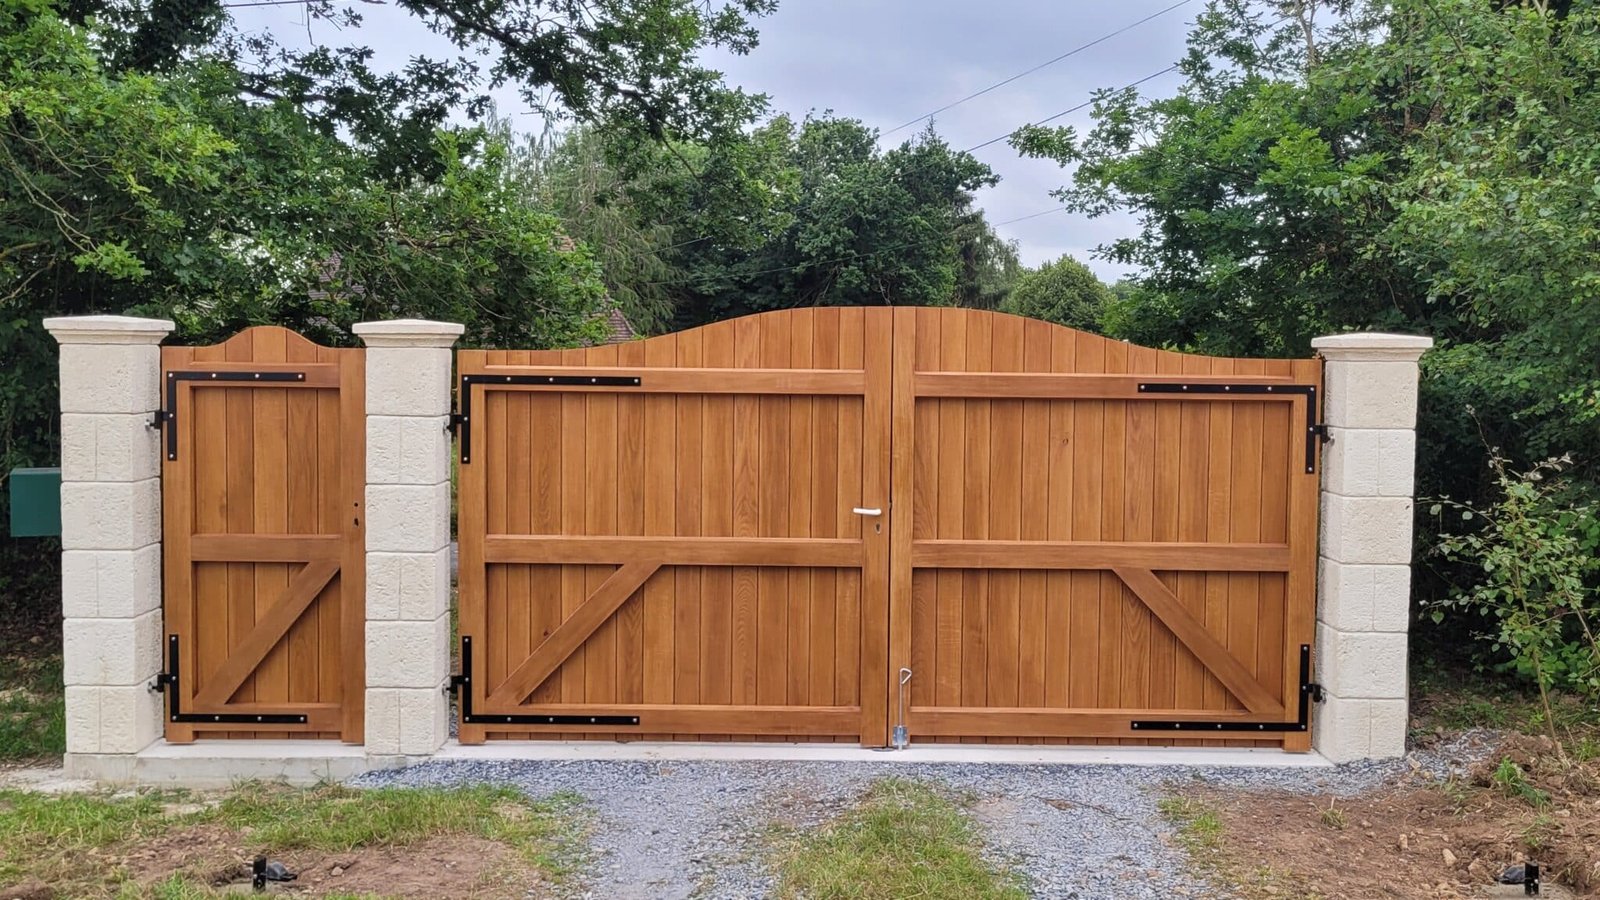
{"type": "Point", "coordinates": [1532, 554]}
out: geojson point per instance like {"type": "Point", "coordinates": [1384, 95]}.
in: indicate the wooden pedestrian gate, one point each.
{"type": "Point", "coordinates": [823, 523]}
{"type": "Point", "coordinates": [263, 472]}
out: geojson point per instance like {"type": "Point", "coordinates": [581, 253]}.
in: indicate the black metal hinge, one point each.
{"type": "Point", "coordinates": [1314, 430]}
{"type": "Point", "coordinates": [461, 685]}
{"type": "Point", "coordinates": [464, 397]}
{"type": "Point", "coordinates": [1310, 692]}
{"type": "Point", "coordinates": [175, 713]}
{"type": "Point", "coordinates": [168, 418]}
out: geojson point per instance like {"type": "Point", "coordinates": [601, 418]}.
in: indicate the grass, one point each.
{"type": "Point", "coordinates": [1199, 826]}
{"type": "Point", "coordinates": [33, 715]}
{"type": "Point", "coordinates": [1513, 782]}
{"type": "Point", "coordinates": [1454, 699]}
{"type": "Point", "coordinates": [1202, 836]}
{"type": "Point", "coordinates": [904, 839]}
{"type": "Point", "coordinates": [74, 839]}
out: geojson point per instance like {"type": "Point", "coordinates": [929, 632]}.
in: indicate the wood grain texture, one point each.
{"type": "Point", "coordinates": [264, 547]}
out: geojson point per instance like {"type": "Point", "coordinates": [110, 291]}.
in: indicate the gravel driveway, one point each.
{"type": "Point", "coordinates": [694, 829]}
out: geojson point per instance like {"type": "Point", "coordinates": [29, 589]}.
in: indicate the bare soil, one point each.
{"type": "Point", "coordinates": [442, 867]}
{"type": "Point", "coordinates": [1422, 837]}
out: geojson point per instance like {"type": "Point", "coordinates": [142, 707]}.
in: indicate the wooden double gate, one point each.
{"type": "Point", "coordinates": [823, 523]}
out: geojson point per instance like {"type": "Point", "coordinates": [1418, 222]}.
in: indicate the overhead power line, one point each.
{"type": "Point", "coordinates": [1030, 216]}
{"type": "Point", "coordinates": [1084, 105]}
{"type": "Point", "coordinates": [1046, 64]}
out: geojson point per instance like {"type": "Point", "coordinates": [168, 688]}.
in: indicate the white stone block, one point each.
{"type": "Point", "coordinates": [1345, 730]}
{"type": "Point", "coordinates": [1391, 721]}
{"type": "Point", "coordinates": [424, 720]}
{"type": "Point", "coordinates": [122, 515]}
{"type": "Point", "coordinates": [1363, 598]}
{"type": "Point", "coordinates": [408, 518]}
{"type": "Point", "coordinates": [407, 450]}
{"type": "Point", "coordinates": [1374, 530]}
{"type": "Point", "coordinates": [1372, 346]}
{"type": "Point", "coordinates": [130, 718]}
{"type": "Point", "coordinates": [116, 378]}
{"type": "Point", "coordinates": [1370, 394]}
{"type": "Point", "coordinates": [408, 333]}
{"type": "Point", "coordinates": [408, 654]}
{"type": "Point", "coordinates": [382, 727]}
{"type": "Point", "coordinates": [110, 584]}
{"type": "Point", "coordinates": [1362, 462]}
{"type": "Point", "coordinates": [83, 718]}
{"type": "Point", "coordinates": [412, 586]}
{"type": "Point", "coordinates": [408, 381]}
{"type": "Point", "coordinates": [109, 447]}
{"type": "Point", "coordinates": [1363, 664]}
{"type": "Point", "coordinates": [111, 651]}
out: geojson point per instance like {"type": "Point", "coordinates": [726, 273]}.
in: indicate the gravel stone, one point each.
{"type": "Point", "coordinates": [683, 829]}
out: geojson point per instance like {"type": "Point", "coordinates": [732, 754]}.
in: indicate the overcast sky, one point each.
{"type": "Point", "coordinates": [886, 61]}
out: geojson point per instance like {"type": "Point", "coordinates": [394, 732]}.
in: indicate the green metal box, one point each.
{"type": "Point", "coordinates": [35, 502]}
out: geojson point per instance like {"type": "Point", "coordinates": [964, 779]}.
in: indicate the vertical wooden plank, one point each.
{"type": "Point", "coordinates": [1088, 497]}
{"type": "Point", "coordinates": [300, 501]}
{"type": "Point", "coordinates": [824, 510]}
{"type": "Point", "coordinates": [602, 476]}
{"type": "Point", "coordinates": [1219, 496]}
{"type": "Point", "coordinates": [631, 443]}
{"type": "Point", "coordinates": [185, 594]}
{"type": "Point", "coordinates": [1167, 463]}
{"type": "Point", "coordinates": [951, 506]}
{"type": "Point", "coordinates": [240, 508]}
{"type": "Point", "coordinates": [1059, 648]}
{"type": "Point", "coordinates": [900, 508]}
{"type": "Point", "coordinates": [746, 514]}
{"type": "Point", "coordinates": [1032, 617]}
{"type": "Point", "coordinates": [471, 522]}
{"type": "Point", "coordinates": [334, 513]}
{"type": "Point", "coordinates": [1005, 511]}
{"type": "Point", "coordinates": [1138, 523]}
{"type": "Point", "coordinates": [352, 467]}
{"type": "Point", "coordinates": [1244, 522]}
{"type": "Point", "coordinates": [1279, 431]}
{"type": "Point", "coordinates": [1116, 606]}
{"type": "Point", "coordinates": [545, 582]}
{"type": "Point", "coordinates": [270, 505]}
{"type": "Point", "coordinates": [1191, 678]}
{"type": "Point", "coordinates": [849, 672]}
{"type": "Point", "coordinates": [574, 673]}
{"type": "Point", "coordinates": [924, 515]}
{"type": "Point", "coordinates": [1300, 586]}
{"type": "Point", "coordinates": [499, 463]}
{"type": "Point", "coordinates": [661, 468]}
{"type": "Point", "coordinates": [721, 490]}
{"type": "Point", "coordinates": [515, 629]}
{"type": "Point", "coordinates": [772, 584]}
{"type": "Point", "coordinates": [877, 428]}
{"type": "Point", "coordinates": [801, 487]}
{"type": "Point", "coordinates": [975, 522]}
{"type": "Point", "coordinates": [690, 455]}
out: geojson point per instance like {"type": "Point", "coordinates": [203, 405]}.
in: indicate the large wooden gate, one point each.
{"type": "Point", "coordinates": [264, 468]}
{"type": "Point", "coordinates": [827, 522]}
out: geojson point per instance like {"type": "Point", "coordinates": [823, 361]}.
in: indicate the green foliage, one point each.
{"type": "Point", "coordinates": [905, 839]}
{"type": "Point", "coordinates": [33, 713]}
{"type": "Point", "coordinates": [1513, 782]}
{"type": "Point", "coordinates": [1065, 292]}
{"type": "Point", "coordinates": [1537, 553]}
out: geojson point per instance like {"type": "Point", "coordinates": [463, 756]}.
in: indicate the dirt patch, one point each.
{"type": "Point", "coordinates": [443, 867]}
{"type": "Point", "coordinates": [1423, 837]}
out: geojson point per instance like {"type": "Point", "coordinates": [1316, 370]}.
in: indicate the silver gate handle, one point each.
{"type": "Point", "coordinates": [864, 511]}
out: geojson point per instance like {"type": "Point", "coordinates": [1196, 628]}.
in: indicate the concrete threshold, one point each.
{"type": "Point", "coordinates": [221, 764]}
{"type": "Point", "coordinates": [1246, 757]}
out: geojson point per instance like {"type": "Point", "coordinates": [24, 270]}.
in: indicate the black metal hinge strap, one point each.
{"type": "Point", "coordinates": [169, 417]}
{"type": "Point", "coordinates": [463, 419]}
{"type": "Point", "coordinates": [462, 685]}
{"type": "Point", "coordinates": [1309, 691]}
{"type": "Point", "coordinates": [175, 713]}
{"type": "Point", "coordinates": [1314, 430]}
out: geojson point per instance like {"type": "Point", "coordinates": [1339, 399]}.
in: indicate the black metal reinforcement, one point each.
{"type": "Point", "coordinates": [462, 421]}
{"type": "Point", "coordinates": [175, 713]}
{"type": "Point", "coordinates": [462, 685]}
{"type": "Point", "coordinates": [1314, 431]}
{"type": "Point", "coordinates": [169, 417]}
{"type": "Point", "coordinates": [1309, 691]}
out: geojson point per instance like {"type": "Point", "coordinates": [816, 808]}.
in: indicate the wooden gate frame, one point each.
{"type": "Point", "coordinates": [324, 556]}
{"type": "Point", "coordinates": [890, 386]}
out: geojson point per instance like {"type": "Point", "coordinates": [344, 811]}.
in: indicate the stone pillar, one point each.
{"type": "Point", "coordinates": [1364, 567]}
{"type": "Point", "coordinates": [408, 534]}
{"type": "Point", "coordinates": [110, 538]}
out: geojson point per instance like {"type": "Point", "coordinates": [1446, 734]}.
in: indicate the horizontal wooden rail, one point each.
{"type": "Point", "coordinates": [692, 719]}
{"type": "Point", "coordinates": [1159, 556]}
{"type": "Point", "coordinates": [264, 547]}
{"type": "Point", "coordinates": [1079, 387]}
{"type": "Point", "coordinates": [673, 551]}
{"type": "Point", "coordinates": [318, 375]}
{"type": "Point", "coordinates": [951, 721]}
{"type": "Point", "coordinates": [685, 381]}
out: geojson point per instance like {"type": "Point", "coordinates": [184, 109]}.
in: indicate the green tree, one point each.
{"type": "Point", "coordinates": [1065, 292]}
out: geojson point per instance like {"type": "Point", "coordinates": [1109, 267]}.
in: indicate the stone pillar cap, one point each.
{"type": "Point", "coordinates": [1370, 345]}
{"type": "Point", "coordinates": [108, 329]}
{"type": "Point", "coordinates": [408, 333]}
